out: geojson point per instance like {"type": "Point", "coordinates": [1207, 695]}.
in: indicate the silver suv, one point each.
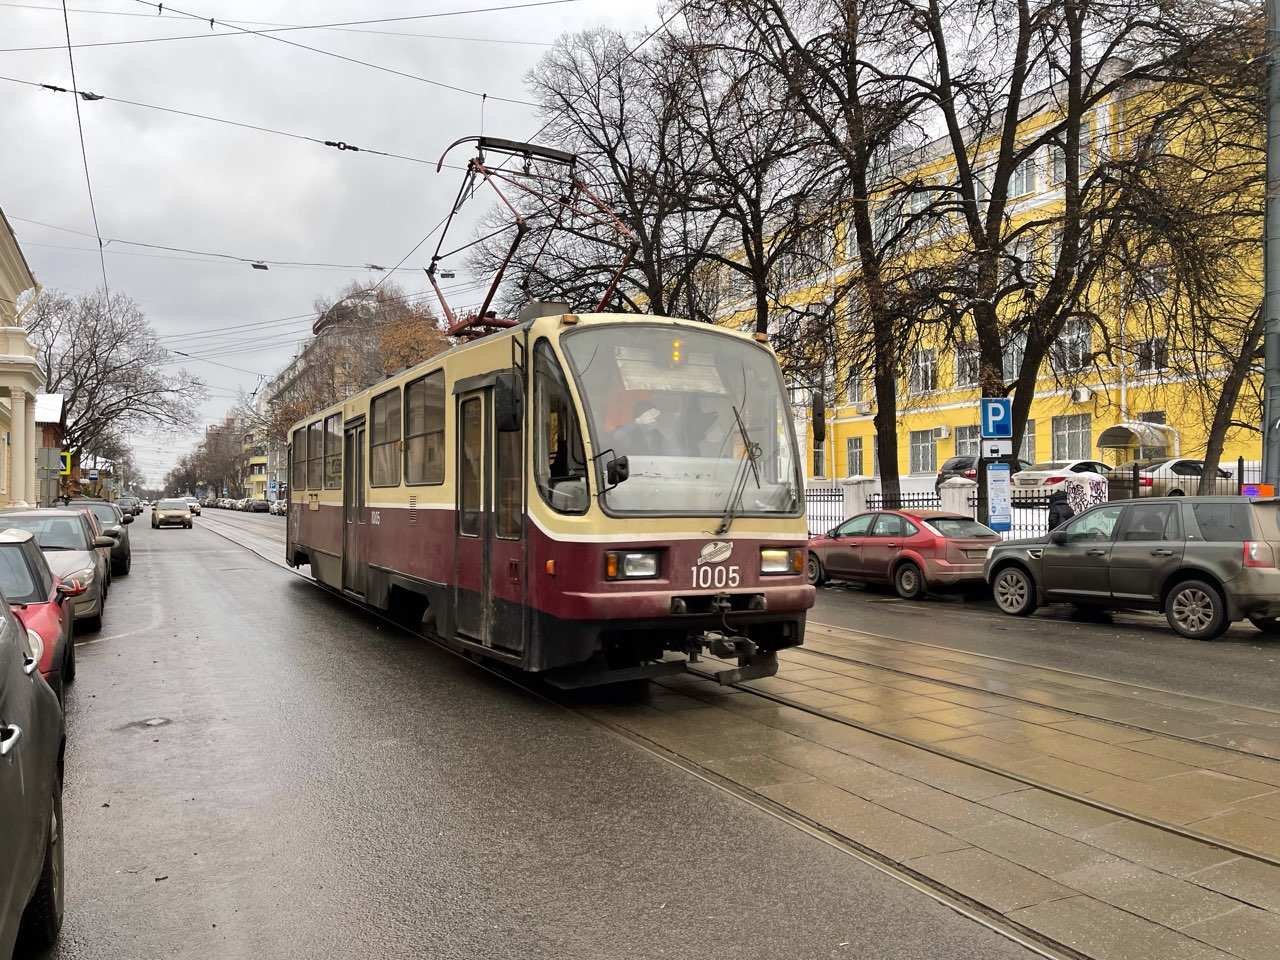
{"type": "Point", "coordinates": [1204, 561]}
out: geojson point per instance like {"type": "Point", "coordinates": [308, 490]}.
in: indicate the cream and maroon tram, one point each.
{"type": "Point", "coordinates": [591, 496]}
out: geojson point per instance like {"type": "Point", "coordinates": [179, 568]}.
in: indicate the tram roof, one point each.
{"type": "Point", "coordinates": [582, 319]}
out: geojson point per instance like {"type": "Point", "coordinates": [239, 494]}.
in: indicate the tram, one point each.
{"type": "Point", "coordinates": [595, 497]}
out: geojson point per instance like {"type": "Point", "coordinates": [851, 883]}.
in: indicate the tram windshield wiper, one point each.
{"type": "Point", "coordinates": [746, 467]}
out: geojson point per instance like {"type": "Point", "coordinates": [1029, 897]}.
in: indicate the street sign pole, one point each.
{"type": "Point", "coordinates": [996, 427]}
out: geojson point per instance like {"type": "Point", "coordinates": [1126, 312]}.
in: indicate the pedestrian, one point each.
{"type": "Point", "coordinates": [1059, 509]}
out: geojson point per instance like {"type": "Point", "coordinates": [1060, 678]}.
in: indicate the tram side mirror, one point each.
{"type": "Point", "coordinates": [508, 403]}
{"type": "Point", "coordinates": [617, 470]}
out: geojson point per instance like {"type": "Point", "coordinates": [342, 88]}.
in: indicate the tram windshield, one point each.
{"type": "Point", "coordinates": [680, 405]}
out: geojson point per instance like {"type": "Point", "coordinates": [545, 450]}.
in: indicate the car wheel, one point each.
{"type": "Point", "coordinates": [814, 572]}
{"type": "Point", "coordinates": [69, 661]}
{"type": "Point", "coordinates": [93, 624]}
{"type": "Point", "coordinates": [1014, 591]}
{"type": "Point", "coordinates": [1266, 624]}
{"type": "Point", "coordinates": [1195, 610]}
{"type": "Point", "coordinates": [909, 581]}
{"type": "Point", "coordinates": [42, 918]}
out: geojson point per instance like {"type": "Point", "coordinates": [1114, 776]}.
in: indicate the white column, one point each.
{"type": "Point", "coordinates": [19, 468]}
{"type": "Point", "coordinates": [955, 494]}
{"type": "Point", "coordinates": [33, 446]}
{"type": "Point", "coordinates": [856, 491]}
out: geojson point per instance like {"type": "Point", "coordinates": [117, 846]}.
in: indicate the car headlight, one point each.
{"type": "Point", "coordinates": [777, 560]}
{"type": "Point", "coordinates": [85, 576]}
{"type": "Point", "coordinates": [37, 645]}
{"type": "Point", "coordinates": [631, 564]}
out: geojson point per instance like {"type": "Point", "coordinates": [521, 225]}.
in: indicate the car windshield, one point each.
{"type": "Point", "coordinates": [1049, 465]}
{"type": "Point", "coordinates": [16, 582]}
{"type": "Point", "coordinates": [52, 533]}
{"type": "Point", "coordinates": [106, 516]}
{"type": "Point", "coordinates": [959, 527]}
{"type": "Point", "coordinates": [172, 505]}
{"type": "Point", "coordinates": [681, 406]}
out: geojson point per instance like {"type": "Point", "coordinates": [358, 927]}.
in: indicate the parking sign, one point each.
{"type": "Point", "coordinates": [997, 418]}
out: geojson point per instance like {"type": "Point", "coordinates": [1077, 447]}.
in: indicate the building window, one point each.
{"type": "Point", "coordinates": [333, 452]}
{"type": "Point", "coordinates": [1057, 165]}
{"type": "Point", "coordinates": [967, 441]}
{"type": "Point", "coordinates": [967, 364]}
{"type": "Point", "coordinates": [1074, 348]}
{"type": "Point", "coordinates": [1027, 450]}
{"type": "Point", "coordinates": [315, 456]}
{"type": "Point", "coordinates": [1020, 258]}
{"type": "Point", "coordinates": [1086, 147]}
{"type": "Point", "coordinates": [853, 457]}
{"type": "Point", "coordinates": [299, 477]}
{"type": "Point", "coordinates": [384, 440]}
{"type": "Point", "coordinates": [1026, 178]}
{"type": "Point", "coordinates": [1153, 354]}
{"type": "Point", "coordinates": [424, 430]}
{"type": "Point", "coordinates": [924, 371]}
{"type": "Point", "coordinates": [924, 452]}
{"type": "Point", "coordinates": [819, 458]}
{"type": "Point", "coordinates": [1155, 451]}
{"type": "Point", "coordinates": [1014, 350]}
{"type": "Point", "coordinates": [853, 387]}
{"type": "Point", "coordinates": [1072, 436]}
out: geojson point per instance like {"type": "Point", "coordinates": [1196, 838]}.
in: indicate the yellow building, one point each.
{"type": "Point", "coordinates": [255, 484]}
{"type": "Point", "coordinates": [1082, 393]}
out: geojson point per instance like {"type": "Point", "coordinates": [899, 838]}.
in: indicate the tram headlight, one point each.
{"type": "Point", "coordinates": [780, 560]}
{"type": "Point", "coordinates": [631, 564]}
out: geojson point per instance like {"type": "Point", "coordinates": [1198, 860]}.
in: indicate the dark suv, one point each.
{"type": "Point", "coordinates": [1204, 561]}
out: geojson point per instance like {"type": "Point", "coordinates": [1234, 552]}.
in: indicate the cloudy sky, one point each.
{"type": "Point", "coordinates": [175, 181]}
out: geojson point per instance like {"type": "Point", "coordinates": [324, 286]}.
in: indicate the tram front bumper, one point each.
{"type": "Point", "coordinates": [662, 604]}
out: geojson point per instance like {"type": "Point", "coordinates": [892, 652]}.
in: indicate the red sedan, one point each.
{"type": "Point", "coordinates": [37, 597]}
{"type": "Point", "coordinates": [913, 550]}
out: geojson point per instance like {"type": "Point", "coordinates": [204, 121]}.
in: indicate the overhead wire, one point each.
{"type": "Point", "coordinates": [271, 35]}
{"type": "Point", "coordinates": [84, 156]}
{"type": "Point", "coordinates": [294, 26]}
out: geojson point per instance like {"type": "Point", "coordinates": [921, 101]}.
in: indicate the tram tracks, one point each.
{"type": "Point", "coordinates": [1031, 701]}
{"type": "Point", "coordinates": [664, 749]}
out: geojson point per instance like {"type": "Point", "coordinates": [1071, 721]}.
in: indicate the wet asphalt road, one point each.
{"type": "Point", "coordinates": [255, 769]}
{"type": "Point", "coordinates": [1242, 667]}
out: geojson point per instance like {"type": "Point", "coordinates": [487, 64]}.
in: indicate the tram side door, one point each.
{"type": "Point", "coordinates": [354, 524]}
{"type": "Point", "coordinates": [472, 581]}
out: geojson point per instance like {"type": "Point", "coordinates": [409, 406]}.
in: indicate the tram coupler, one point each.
{"type": "Point", "coordinates": [752, 663]}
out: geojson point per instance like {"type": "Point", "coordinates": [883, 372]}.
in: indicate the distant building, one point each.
{"type": "Point", "coordinates": [21, 377]}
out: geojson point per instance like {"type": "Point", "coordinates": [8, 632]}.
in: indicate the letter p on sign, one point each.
{"type": "Point", "coordinates": [997, 418]}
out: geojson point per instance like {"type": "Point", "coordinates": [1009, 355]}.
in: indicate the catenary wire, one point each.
{"type": "Point", "coordinates": [290, 26]}
{"type": "Point", "coordinates": [271, 35]}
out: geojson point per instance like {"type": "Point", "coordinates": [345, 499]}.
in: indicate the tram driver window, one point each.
{"type": "Point", "coordinates": [299, 478]}
{"type": "Point", "coordinates": [559, 464]}
{"type": "Point", "coordinates": [315, 455]}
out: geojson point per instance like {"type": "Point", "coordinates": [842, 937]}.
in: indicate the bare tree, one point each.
{"type": "Point", "coordinates": [109, 367]}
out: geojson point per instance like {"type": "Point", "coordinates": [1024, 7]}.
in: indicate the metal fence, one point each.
{"type": "Point", "coordinates": [824, 507]}
{"type": "Point", "coordinates": [904, 501]}
{"type": "Point", "coordinates": [1030, 515]}
{"type": "Point", "coordinates": [1182, 477]}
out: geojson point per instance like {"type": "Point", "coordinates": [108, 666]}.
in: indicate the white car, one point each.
{"type": "Point", "coordinates": [194, 505]}
{"type": "Point", "coordinates": [1042, 479]}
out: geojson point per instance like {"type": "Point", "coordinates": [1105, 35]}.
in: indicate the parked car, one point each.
{"type": "Point", "coordinates": [258, 506]}
{"type": "Point", "coordinates": [39, 600]}
{"type": "Point", "coordinates": [74, 549]}
{"type": "Point", "coordinates": [280, 507]}
{"type": "Point", "coordinates": [171, 513]}
{"type": "Point", "coordinates": [967, 467]}
{"type": "Point", "coordinates": [1175, 477]}
{"type": "Point", "coordinates": [242, 503]}
{"type": "Point", "coordinates": [114, 524]}
{"type": "Point", "coordinates": [32, 736]}
{"type": "Point", "coordinates": [193, 505]}
{"type": "Point", "coordinates": [130, 505]}
{"type": "Point", "coordinates": [913, 550]}
{"type": "Point", "coordinates": [1204, 561]}
{"type": "Point", "coordinates": [1042, 479]}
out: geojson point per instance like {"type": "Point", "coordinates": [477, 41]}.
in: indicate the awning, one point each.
{"type": "Point", "coordinates": [1138, 433]}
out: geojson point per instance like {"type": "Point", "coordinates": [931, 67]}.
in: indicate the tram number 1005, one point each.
{"type": "Point", "coordinates": [706, 576]}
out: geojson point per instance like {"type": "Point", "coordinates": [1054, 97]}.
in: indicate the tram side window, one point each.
{"type": "Point", "coordinates": [424, 430]}
{"type": "Point", "coordinates": [470, 487]}
{"type": "Point", "coordinates": [299, 479]}
{"type": "Point", "coordinates": [333, 452]}
{"type": "Point", "coordinates": [384, 440]}
{"type": "Point", "coordinates": [315, 456]}
{"type": "Point", "coordinates": [559, 465]}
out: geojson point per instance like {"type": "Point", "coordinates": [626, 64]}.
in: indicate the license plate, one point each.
{"type": "Point", "coordinates": [976, 554]}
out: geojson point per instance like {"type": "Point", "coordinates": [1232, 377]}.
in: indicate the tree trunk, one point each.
{"type": "Point", "coordinates": [886, 421]}
{"type": "Point", "coordinates": [1241, 366]}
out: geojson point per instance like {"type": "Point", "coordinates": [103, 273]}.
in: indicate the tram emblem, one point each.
{"type": "Point", "coordinates": [717, 551]}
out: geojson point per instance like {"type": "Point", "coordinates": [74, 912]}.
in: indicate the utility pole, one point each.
{"type": "Point", "coordinates": [1271, 260]}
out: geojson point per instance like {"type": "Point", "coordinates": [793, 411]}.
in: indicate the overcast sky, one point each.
{"type": "Point", "coordinates": [184, 182]}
